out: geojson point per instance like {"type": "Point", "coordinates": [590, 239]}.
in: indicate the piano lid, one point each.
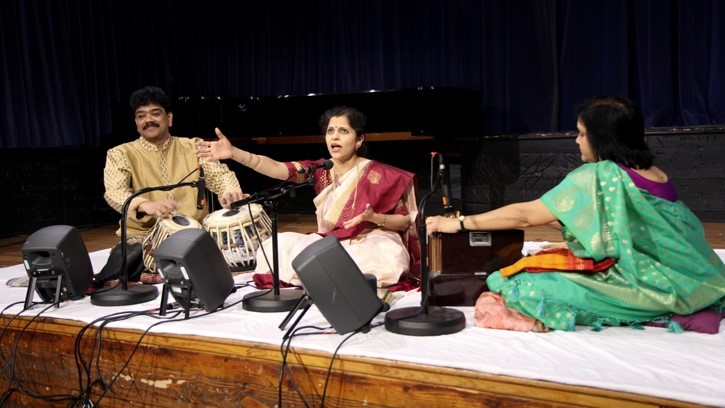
{"type": "Point", "coordinates": [423, 111]}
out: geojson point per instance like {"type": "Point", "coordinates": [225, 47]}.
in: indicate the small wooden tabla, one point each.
{"type": "Point", "coordinates": [163, 229]}
{"type": "Point", "coordinates": [239, 233]}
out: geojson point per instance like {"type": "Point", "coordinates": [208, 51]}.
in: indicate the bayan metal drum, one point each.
{"type": "Point", "coordinates": [156, 235]}
{"type": "Point", "coordinates": [239, 234]}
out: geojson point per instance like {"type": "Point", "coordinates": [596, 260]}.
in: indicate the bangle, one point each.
{"type": "Point", "coordinates": [249, 162]}
{"type": "Point", "coordinates": [385, 218]}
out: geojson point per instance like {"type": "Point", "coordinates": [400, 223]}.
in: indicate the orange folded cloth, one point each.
{"type": "Point", "coordinates": [557, 260]}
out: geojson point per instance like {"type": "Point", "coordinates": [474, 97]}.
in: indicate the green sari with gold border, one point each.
{"type": "Point", "coordinates": [664, 264]}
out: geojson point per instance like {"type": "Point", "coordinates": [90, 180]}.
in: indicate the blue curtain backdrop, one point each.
{"type": "Point", "coordinates": [65, 63]}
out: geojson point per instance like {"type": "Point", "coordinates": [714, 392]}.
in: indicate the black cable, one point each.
{"type": "Point", "coordinates": [329, 368]}
{"type": "Point", "coordinates": [285, 347]}
{"type": "Point", "coordinates": [27, 391]}
{"type": "Point", "coordinates": [284, 367]}
{"type": "Point", "coordinates": [190, 173]}
{"type": "Point", "coordinates": [5, 362]}
{"type": "Point", "coordinates": [284, 350]}
{"type": "Point", "coordinates": [138, 344]}
{"type": "Point", "coordinates": [259, 294]}
{"type": "Point", "coordinates": [243, 285]}
{"type": "Point", "coordinates": [82, 367]}
{"type": "Point", "coordinates": [55, 397]}
{"type": "Point", "coordinates": [85, 391]}
{"type": "Point", "coordinates": [10, 365]}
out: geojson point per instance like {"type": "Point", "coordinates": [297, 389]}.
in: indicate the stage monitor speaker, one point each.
{"type": "Point", "coordinates": [194, 269]}
{"type": "Point", "coordinates": [57, 263]}
{"type": "Point", "coordinates": [336, 285]}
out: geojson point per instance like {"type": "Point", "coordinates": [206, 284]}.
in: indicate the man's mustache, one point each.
{"type": "Point", "coordinates": [149, 124]}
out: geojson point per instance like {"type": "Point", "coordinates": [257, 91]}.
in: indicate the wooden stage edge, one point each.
{"type": "Point", "coordinates": [188, 370]}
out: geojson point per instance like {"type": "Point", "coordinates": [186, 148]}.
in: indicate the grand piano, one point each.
{"type": "Point", "coordinates": [415, 112]}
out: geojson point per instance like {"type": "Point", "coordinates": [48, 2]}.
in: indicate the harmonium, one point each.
{"type": "Point", "coordinates": [460, 263]}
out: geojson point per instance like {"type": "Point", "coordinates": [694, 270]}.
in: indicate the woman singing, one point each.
{"type": "Point", "coordinates": [368, 205]}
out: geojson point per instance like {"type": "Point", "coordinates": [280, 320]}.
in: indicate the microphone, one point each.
{"type": "Point", "coordinates": [253, 198]}
{"type": "Point", "coordinates": [201, 186]}
{"type": "Point", "coordinates": [445, 185]}
{"type": "Point", "coordinates": [325, 165]}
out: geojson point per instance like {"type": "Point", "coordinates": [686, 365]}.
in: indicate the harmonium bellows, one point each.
{"type": "Point", "coordinates": [460, 263]}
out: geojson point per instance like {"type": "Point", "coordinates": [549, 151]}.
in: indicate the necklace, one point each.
{"type": "Point", "coordinates": [347, 213]}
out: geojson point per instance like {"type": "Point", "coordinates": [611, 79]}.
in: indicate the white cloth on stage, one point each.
{"type": "Point", "coordinates": [377, 253]}
{"type": "Point", "coordinates": [684, 366]}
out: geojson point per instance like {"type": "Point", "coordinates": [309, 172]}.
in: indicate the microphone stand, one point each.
{"type": "Point", "coordinates": [275, 300]}
{"type": "Point", "coordinates": [425, 320]}
{"type": "Point", "coordinates": [123, 295]}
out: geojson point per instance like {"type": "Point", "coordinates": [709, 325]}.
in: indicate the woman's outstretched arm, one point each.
{"type": "Point", "coordinates": [519, 215]}
{"type": "Point", "coordinates": [223, 149]}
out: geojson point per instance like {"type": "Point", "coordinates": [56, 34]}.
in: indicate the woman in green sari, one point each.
{"type": "Point", "coordinates": [618, 209]}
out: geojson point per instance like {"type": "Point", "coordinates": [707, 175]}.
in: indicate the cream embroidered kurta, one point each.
{"type": "Point", "coordinates": [140, 164]}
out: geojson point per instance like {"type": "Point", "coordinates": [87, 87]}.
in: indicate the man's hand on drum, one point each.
{"type": "Point", "coordinates": [159, 209]}
{"type": "Point", "coordinates": [229, 197]}
{"type": "Point", "coordinates": [439, 223]}
{"type": "Point", "coordinates": [217, 150]}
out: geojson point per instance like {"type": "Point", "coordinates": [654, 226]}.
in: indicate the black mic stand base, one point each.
{"type": "Point", "coordinates": [116, 296]}
{"type": "Point", "coordinates": [410, 321]}
{"type": "Point", "coordinates": [267, 301]}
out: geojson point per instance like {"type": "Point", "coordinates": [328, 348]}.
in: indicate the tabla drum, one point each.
{"type": "Point", "coordinates": [239, 234]}
{"type": "Point", "coordinates": [163, 229]}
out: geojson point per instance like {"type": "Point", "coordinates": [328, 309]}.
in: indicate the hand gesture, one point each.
{"type": "Point", "coordinates": [366, 215]}
{"type": "Point", "coordinates": [218, 150]}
